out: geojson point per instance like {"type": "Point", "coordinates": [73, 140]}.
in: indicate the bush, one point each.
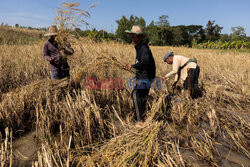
{"type": "Point", "coordinates": [223, 45]}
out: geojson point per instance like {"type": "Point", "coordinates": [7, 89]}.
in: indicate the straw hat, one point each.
{"type": "Point", "coordinates": [135, 30]}
{"type": "Point", "coordinates": [52, 31]}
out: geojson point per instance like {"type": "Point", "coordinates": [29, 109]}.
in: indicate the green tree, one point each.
{"type": "Point", "coordinates": [224, 37]}
{"type": "Point", "coordinates": [238, 33]}
{"type": "Point", "coordinates": [166, 35]}
{"type": "Point", "coordinates": [141, 22]}
{"type": "Point", "coordinates": [213, 31]}
{"type": "Point", "coordinates": [126, 24]}
{"type": "Point", "coordinates": [192, 33]}
{"type": "Point", "coordinates": [79, 32]}
{"type": "Point", "coordinates": [163, 21]}
{"type": "Point", "coordinates": [247, 39]}
{"type": "Point", "coordinates": [164, 31]}
{"type": "Point", "coordinates": [177, 36]}
{"type": "Point", "coordinates": [95, 35]}
{"type": "Point", "coordinates": [123, 24]}
{"type": "Point", "coordinates": [104, 34]}
{"type": "Point", "coordinates": [134, 20]}
{"type": "Point", "coordinates": [152, 34]}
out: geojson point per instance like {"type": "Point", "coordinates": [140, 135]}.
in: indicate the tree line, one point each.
{"type": "Point", "coordinates": [161, 33]}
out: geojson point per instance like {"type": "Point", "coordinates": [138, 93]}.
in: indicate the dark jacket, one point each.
{"type": "Point", "coordinates": [145, 64]}
{"type": "Point", "coordinates": [51, 50]}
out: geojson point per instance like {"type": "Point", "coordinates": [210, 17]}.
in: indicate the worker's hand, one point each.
{"type": "Point", "coordinates": [128, 67]}
{"type": "Point", "coordinates": [164, 78]}
{"type": "Point", "coordinates": [51, 59]}
{"type": "Point", "coordinates": [68, 50]}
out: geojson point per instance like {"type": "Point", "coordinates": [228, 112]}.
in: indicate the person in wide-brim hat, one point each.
{"type": "Point", "coordinates": [59, 67]}
{"type": "Point", "coordinates": [145, 73]}
{"type": "Point", "coordinates": [51, 31]}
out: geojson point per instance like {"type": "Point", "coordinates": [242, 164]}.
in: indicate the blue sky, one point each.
{"type": "Point", "coordinates": [40, 13]}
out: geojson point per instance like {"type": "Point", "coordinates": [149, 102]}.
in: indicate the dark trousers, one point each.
{"type": "Point", "coordinates": [59, 74]}
{"type": "Point", "coordinates": [191, 82]}
{"type": "Point", "coordinates": [139, 96]}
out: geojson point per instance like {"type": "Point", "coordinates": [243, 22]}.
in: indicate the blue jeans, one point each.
{"type": "Point", "coordinates": [59, 74]}
{"type": "Point", "coordinates": [139, 96]}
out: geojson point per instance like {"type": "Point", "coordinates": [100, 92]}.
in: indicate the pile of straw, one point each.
{"type": "Point", "coordinates": [186, 135]}
{"type": "Point", "coordinates": [104, 65]}
{"type": "Point", "coordinates": [18, 107]}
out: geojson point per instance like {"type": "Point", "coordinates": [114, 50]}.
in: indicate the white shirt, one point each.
{"type": "Point", "coordinates": [179, 61]}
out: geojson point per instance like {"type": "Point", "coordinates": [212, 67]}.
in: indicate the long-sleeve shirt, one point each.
{"type": "Point", "coordinates": [51, 50]}
{"type": "Point", "coordinates": [144, 64]}
{"type": "Point", "coordinates": [179, 61]}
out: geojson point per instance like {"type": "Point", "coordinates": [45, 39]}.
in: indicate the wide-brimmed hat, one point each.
{"type": "Point", "coordinates": [51, 31]}
{"type": "Point", "coordinates": [167, 56]}
{"type": "Point", "coordinates": [137, 30]}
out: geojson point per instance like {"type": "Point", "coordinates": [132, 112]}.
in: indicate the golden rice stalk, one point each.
{"type": "Point", "coordinates": [238, 141]}
{"type": "Point", "coordinates": [135, 147]}
{"type": "Point", "coordinates": [16, 104]}
{"type": "Point", "coordinates": [6, 151]}
{"type": "Point", "coordinates": [69, 16]}
{"type": "Point", "coordinates": [103, 60]}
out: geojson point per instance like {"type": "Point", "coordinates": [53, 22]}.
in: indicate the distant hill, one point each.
{"type": "Point", "coordinates": [17, 36]}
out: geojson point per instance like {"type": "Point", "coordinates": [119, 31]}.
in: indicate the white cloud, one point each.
{"type": "Point", "coordinates": [29, 15]}
{"type": "Point", "coordinates": [26, 19]}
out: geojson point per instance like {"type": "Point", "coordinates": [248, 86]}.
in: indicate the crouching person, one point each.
{"type": "Point", "coordinates": [59, 67]}
{"type": "Point", "coordinates": [185, 69]}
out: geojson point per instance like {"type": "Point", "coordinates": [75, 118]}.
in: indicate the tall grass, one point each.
{"type": "Point", "coordinates": [19, 36]}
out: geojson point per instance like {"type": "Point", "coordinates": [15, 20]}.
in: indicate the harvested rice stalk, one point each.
{"type": "Point", "coordinates": [6, 158]}
{"type": "Point", "coordinates": [18, 107]}
{"type": "Point", "coordinates": [135, 147]}
{"type": "Point", "coordinates": [103, 60]}
{"type": "Point", "coordinates": [69, 16]}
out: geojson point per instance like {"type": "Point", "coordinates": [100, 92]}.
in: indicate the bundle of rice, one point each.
{"type": "Point", "coordinates": [104, 65]}
{"type": "Point", "coordinates": [135, 147]}
{"type": "Point", "coordinates": [69, 16]}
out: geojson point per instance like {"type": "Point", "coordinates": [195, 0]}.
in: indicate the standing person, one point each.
{"type": "Point", "coordinates": [59, 67]}
{"type": "Point", "coordinates": [185, 69]}
{"type": "Point", "coordinates": [145, 72]}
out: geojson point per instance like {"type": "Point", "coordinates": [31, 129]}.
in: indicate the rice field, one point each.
{"type": "Point", "coordinates": [66, 123]}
